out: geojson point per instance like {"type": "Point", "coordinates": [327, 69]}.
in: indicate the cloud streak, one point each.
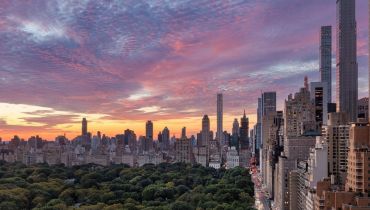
{"type": "Point", "coordinates": [129, 61]}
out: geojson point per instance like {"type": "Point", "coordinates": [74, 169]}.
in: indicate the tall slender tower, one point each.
{"type": "Point", "coordinates": [183, 133]}
{"type": "Point", "coordinates": [219, 117]}
{"type": "Point", "coordinates": [149, 130]}
{"type": "Point", "coordinates": [205, 131]}
{"type": "Point", "coordinates": [325, 59]}
{"type": "Point", "coordinates": [346, 57]}
{"type": "Point", "coordinates": [84, 127]}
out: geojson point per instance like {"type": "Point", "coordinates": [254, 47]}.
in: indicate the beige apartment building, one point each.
{"type": "Point", "coordinates": [358, 174]}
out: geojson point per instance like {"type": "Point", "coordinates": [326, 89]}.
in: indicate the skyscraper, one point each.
{"type": "Point", "coordinates": [268, 103]}
{"type": "Point", "coordinates": [347, 66]}
{"type": "Point", "coordinates": [258, 125]}
{"type": "Point", "coordinates": [267, 109]}
{"type": "Point", "coordinates": [235, 134]}
{"type": "Point", "coordinates": [325, 58]}
{"type": "Point", "coordinates": [219, 117]}
{"type": "Point", "coordinates": [183, 133]}
{"type": "Point", "coordinates": [84, 127]}
{"type": "Point", "coordinates": [205, 131]}
{"type": "Point", "coordinates": [165, 139]}
{"type": "Point", "coordinates": [149, 130]}
{"type": "Point", "coordinates": [244, 132]}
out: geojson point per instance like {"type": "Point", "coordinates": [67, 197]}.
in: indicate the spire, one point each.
{"type": "Point", "coordinates": [244, 113]}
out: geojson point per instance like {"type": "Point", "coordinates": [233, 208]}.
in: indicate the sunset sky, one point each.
{"type": "Point", "coordinates": [120, 63]}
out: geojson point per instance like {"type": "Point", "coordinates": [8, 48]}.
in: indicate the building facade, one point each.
{"type": "Point", "coordinates": [346, 58]}
{"type": "Point", "coordinates": [325, 58]}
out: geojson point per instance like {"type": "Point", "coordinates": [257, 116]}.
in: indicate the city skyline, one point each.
{"type": "Point", "coordinates": [57, 75]}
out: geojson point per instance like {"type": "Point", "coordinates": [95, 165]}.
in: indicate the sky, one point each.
{"type": "Point", "coordinates": [121, 62]}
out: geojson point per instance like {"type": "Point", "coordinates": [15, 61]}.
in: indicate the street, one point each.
{"type": "Point", "coordinates": [262, 201]}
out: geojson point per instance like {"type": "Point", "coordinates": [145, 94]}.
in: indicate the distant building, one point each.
{"type": "Point", "coordinates": [215, 160]}
{"type": "Point", "coordinates": [232, 158]}
{"type": "Point", "coordinates": [149, 130]}
{"type": "Point", "coordinates": [183, 151]}
{"type": "Point", "coordinates": [219, 117]}
{"type": "Point", "coordinates": [306, 176]}
{"type": "Point", "coordinates": [300, 131]}
{"type": "Point", "coordinates": [95, 143]}
{"type": "Point", "coordinates": [205, 133]}
{"type": "Point", "coordinates": [299, 114]}
{"type": "Point", "coordinates": [146, 144]}
{"type": "Point", "coordinates": [183, 132]}
{"type": "Point", "coordinates": [165, 145]}
{"type": "Point", "coordinates": [326, 59]}
{"type": "Point", "coordinates": [336, 136]}
{"type": "Point", "coordinates": [84, 127]}
{"type": "Point", "coordinates": [268, 102]}
{"type": "Point", "coordinates": [319, 96]}
{"type": "Point", "coordinates": [273, 148]}
{"type": "Point", "coordinates": [244, 132]}
{"type": "Point", "coordinates": [363, 108]}
{"type": "Point", "coordinates": [257, 129]}
{"type": "Point", "coordinates": [235, 134]}
{"type": "Point", "coordinates": [358, 172]}
{"type": "Point", "coordinates": [149, 158]}
{"type": "Point", "coordinates": [200, 155]}
{"type": "Point", "coordinates": [130, 139]}
{"type": "Point", "coordinates": [267, 108]}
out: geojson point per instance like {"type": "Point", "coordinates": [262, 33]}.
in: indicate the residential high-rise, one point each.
{"type": "Point", "coordinates": [149, 130]}
{"type": "Point", "coordinates": [183, 151]}
{"type": "Point", "coordinates": [219, 117]}
{"type": "Point", "coordinates": [358, 172]}
{"type": "Point", "coordinates": [336, 136]}
{"type": "Point", "coordinates": [346, 57]}
{"type": "Point", "coordinates": [299, 114]}
{"type": "Point", "coordinates": [325, 58]}
{"type": "Point", "coordinates": [244, 132]}
{"type": "Point", "coordinates": [84, 127]}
